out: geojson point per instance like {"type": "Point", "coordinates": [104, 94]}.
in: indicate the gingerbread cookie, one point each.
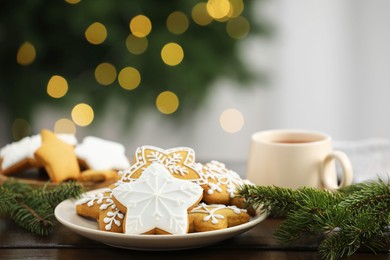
{"type": "Point", "coordinates": [98, 175]}
{"type": "Point", "coordinates": [100, 154]}
{"type": "Point", "coordinates": [57, 157]}
{"type": "Point", "coordinates": [216, 216]}
{"type": "Point", "coordinates": [19, 155]}
{"type": "Point", "coordinates": [222, 183]}
{"type": "Point", "coordinates": [156, 202]}
{"type": "Point", "coordinates": [90, 205]}
{"type": "Point", "coordinates": [180, 162]}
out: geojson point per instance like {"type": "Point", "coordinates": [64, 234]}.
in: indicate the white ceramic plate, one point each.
{"type": "Point", "coordinates": [65, 213]}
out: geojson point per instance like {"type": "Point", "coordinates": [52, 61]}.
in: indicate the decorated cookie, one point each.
{"type": "Point", "coordinates": [156, 202]}
{"type": "Point", "coordinates": [19, 155]}
{"type": "Point", "coordinates": [57, 157]}
{"type": "Point", "coordinates": [100, 154]}
{"type": "Point", "coordinates": [111, 219]}
{"type": "Point", "coordinates": [216, 216]}
{"type": "Point", "coordinates": [222, 183]}
{"type": "Point", "coordinates": [180, 162]}
{"type": "Point", "coordinates": [90, 205]}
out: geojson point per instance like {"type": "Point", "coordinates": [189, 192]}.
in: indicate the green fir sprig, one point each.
{"type": "Point", "coordinates": [354, 217]}
{"type": "Point", "coordinates": [33, 208]}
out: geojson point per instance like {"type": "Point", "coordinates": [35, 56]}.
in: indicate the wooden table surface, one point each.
{"type": "Point", "coordinates": [16, 243]}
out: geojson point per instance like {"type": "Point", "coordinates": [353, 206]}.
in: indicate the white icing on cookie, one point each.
{"type": "Point", "coordinates": [211, 211]}
{"type": "Point", "coordinates": [98, 198]}
{"type": "Point", "coordinates": [218, 172]}
{"type": "Point", "coordinates": [113, 217]}
{"type": "Point", "coordinates": [100, 154]}
{"type": "Point", "coordinates": [157, 200]}
{"type": "Point", "coordinates": [25, 148]}
{"type": "Point", "coordinates": [178, 165]}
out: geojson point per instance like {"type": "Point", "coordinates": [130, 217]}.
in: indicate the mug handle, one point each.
{"type": "Point", "coordinates": [346, 167]}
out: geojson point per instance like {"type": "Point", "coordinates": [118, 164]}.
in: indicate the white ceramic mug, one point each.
{"type": "Point", "coordinates": [296, 158]}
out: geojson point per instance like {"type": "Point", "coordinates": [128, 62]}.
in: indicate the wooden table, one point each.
{"type": "Point", "coordinates": [16, 243]}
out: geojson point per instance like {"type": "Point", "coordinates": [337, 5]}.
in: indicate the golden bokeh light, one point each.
{"type": "Point", "coordinates": [57, 86]}
{"type": "Point", "coordinates": [96, 33]}
{"type": "Point", "coordinates": [177, 22]}
{"type": "Point", "coordinates": [140, 26]}
{"type": "Point", "coordinates": [238, 27]}
{"type": "Point", "coordinates": [82, 114]}
{"type": "Point", "coordinates": [172, 54]}
{"type": "Point", "coordinates": [231, 120]}
{"type": "Point", "coordinates": [237, 6]}
{"type": "Point", "coordinates": [26, 54]}
{"type": "Point", "coordinates": [73, 2]}
{"type": "Point", "coordinates": [65, 126]}
{"type": "Point", "coordinates": [167, 102]}
{"type": "Point", "coordinates": [105, 73]}
{"type": "Point", "coordinates": [129, 78]}
{"type": "Point", "coordinates": [136, 45]}
{"type": "Point", "coordinates": [20, 128]}
{"type": "Point", "coordinates": [200, 15]}
{"type": "Point", "coordinates": [218, 9]}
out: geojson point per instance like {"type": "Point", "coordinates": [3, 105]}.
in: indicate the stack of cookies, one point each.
{"type": "Point", "coordinates": [63, 158]}
{"type": "Point", "coordinates": [168, 192]}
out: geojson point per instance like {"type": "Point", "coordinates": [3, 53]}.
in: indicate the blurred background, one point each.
{"type": "Point", "coordinates": [203, 74]}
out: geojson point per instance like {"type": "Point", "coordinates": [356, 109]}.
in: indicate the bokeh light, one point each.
{"type": "Point", "coordinates": [177, 22]}
{"type": "Point", "coordinates": [218, 9]}
{"type": "Point", "coordinates": [96, 33]}
{"type": "Point", "coordinates": [136, 45]}
{"type": "Point", "coordinates": [57, 86]}
{"type": "Point", "coordinates": [64, 125]}
{"type": "Point", "coordinates": [231, 120]}
{"type": "Point", "coordinates": [73, 2]}
{"type": "Point", "coordinates": [105, 73]}
{"type": "Point", "coordinates": [237, 6]}
{"type": "Point", "coordinates": [172, 54]}
{"type": "Point", "coordinates": [82, 114]}
{"type": "Point", "coordinates": [140, 26]}
{"type": "Point", "coordinates": [200, 15]}
{"type": "Point", "coordinates": [167, 102]}
{"type": "Point", "coordinates": [129, 78]}
{"type": "Point", "coordinates": [238, 28]}
{"type": "Point", "coordinates": [20, 128]}
{"type": "Point", "coordinates": [26, 54]}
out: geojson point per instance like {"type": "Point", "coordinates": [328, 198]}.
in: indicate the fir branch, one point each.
{"type": "Point", "coordinates": [33, 208]}
{"type": "Point", "coordinates": [7, 199]}
{"type": "Point", "coordinates": [346, 220]}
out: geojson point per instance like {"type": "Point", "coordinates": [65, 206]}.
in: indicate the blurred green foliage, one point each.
{"type": "Point", "coordinates": [56, 29]}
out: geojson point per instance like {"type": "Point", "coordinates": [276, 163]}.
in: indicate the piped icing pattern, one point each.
{"type": "Point", "coordinates": [180, 162]}
{"type": "Point", "coordinates": [98, 199]}
{"type": "Point", "coordinates": [221, 183]}
{"type": "Point", "coordinates": [211, 211]}
{"type": "Point", "coordinates": [157, 200]}
{"type": "Point", "coordinates": [100, 154]}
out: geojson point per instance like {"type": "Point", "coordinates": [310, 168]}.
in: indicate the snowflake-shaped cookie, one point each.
{"type": "Point", "coordinates": [180, 162]}
{"type": "Point", "coordinates": [216, 216]}
{"type": "Point", "coordinates": [156, 202]}
{"type": "Point", "coordinates": [100, 154]}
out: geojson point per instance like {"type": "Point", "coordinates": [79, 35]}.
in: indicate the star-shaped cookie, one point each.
{"type": "Point", "coordinates": [180, 162]}
{"type": "Point", "coordinates": [156, 203]}
{"type": "Point", "coordinates": [100, 154]}
{"type": "Point", "coordinates": [57, 157]}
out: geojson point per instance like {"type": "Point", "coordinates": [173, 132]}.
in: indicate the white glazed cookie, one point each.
{"type": "Point", "coordinates": [19, 155]}
{"type": "Point", "coordinates": [216, 216]}
{"type": "Point", "coordinates": [100, 154]}
{"type": "Point", "coordinates": [157, 203]}
{"type": "Point", "coordinates": [180, 162]}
